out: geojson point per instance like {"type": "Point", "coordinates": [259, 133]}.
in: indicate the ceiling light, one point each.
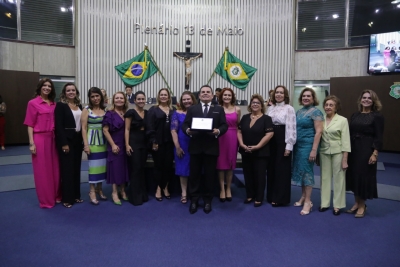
{"type": "Point", "coordinates": [398, 6]}
{"type": "Point", "coordinates": [395, 2]}
{"type": "Point", "coordinates": [335, 16]}
{"type": "Point", "coordinates": [71, 8]}
{"type": "Point", "coordinates": [12, 1]}
{"type": "Point", "coordinates": [377, 10]}
{"type": "Point", "coordinates": [63, 9]}
{"type": "Point", "coordinates": [8, 15]}
{"type": "Point", "coordinates": [370, 24]}
{"type": "Point", "coordinates": [316, 18]}
{"type": "Point", "coordinates": [304, 29]}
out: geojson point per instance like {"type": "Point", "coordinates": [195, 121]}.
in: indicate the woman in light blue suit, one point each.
{"type": "Point", "coordinates": [335, 146]}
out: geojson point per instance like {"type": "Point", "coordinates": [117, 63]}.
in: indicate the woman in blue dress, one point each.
{"type": "Point", "coordinates": [181, 141]}
{"type": "Point", "coordinates": [309, 121]}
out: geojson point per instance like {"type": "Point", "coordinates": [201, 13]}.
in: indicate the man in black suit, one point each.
{"type": "Point", "coordinates": [129, 95]}
{"type": "Point", "coordinates": [203, 148]}
{"type": "Point", "coordinates": [214, 101]}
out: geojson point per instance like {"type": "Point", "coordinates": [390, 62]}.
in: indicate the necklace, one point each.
{"type": "Point", "coordinates": [255, 116]}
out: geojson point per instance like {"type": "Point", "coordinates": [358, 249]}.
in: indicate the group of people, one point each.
{"type": "Point", "coordinates": [203, 139]}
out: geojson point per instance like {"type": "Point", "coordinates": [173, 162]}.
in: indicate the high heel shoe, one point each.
{"type": "Point", "coordinates": [93, 200]}
{"type": "Point", "coordinates": [115, 199]}
{"type": "Point", "coordinates": [101, 194]}
{"type": "Point", "coordinates": [165, 195]}
{"type": "Point", "coordinates": [362, 214]}
{"type": "Point", "coordinates": [306, 212]}
{"type": "Point", "coordinates": [299, 203]}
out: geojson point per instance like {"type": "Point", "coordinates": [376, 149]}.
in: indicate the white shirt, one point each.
{"type": "Point", "coordinates": [77, 116]}
{"type": "Point", "coordinates": [203, 106]}
{"type": "Point", "coordinates": [283, 114]}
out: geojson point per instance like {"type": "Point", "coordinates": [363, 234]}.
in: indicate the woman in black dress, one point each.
{"type": "Point", "coordinates": [366, 134]}
{"type": "Point", "coordinates": [254, 132]}
{"type": "Point", "coordinates": [136, 149]}
{"type": "Point", "coordinates": [158, 128]}
{"type": "Point", "coordinates": [69, 143]}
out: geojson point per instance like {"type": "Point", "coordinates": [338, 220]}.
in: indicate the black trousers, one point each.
{"type": "Point", "coordinates": [202, 185]}
{"type": "Point", "coordinates": [137, 192]}
{"type": "Point", "coordinates": [163, 164]}
{"type": "Point", "coordinates": [254, 171]}
{"type": "Point", "coordinates": [70, 169]}
{"type": "Point", "coordinates": [279, 170]}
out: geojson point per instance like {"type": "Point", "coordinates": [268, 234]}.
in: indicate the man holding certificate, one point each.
{"type": "Point", "coordinates": [204, 123]}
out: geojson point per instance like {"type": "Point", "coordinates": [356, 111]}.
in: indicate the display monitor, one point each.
{"type": "Point", "coordinates": [384, 53]}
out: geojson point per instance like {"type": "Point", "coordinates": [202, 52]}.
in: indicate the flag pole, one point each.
{"type": "Point", "coordinates": [212, 75]}
{"type": "Point", "coordinates": [155, 64]}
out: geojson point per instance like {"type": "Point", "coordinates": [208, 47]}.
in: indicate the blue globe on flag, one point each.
{"type": "Point", "coordinates": [137, 69]}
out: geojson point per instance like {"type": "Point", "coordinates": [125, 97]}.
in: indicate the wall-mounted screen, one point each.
{"type": "Point", "coordinates": [384, 53]}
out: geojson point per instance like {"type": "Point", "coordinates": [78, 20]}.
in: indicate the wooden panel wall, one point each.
{"type": "Point", "coordinates": [17, 88]}
{"type": "Point", "coordinates": [348, 89]}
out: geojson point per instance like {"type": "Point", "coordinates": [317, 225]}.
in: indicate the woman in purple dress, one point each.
{"type": "Point", "coordinates": [181, 141]}
{"type": "Point", "coordinates": [228, 143]}
{"type": "Point", "coordinates": [114, 131]}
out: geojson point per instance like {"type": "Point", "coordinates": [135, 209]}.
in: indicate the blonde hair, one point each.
{"type": "Point", "coordinates": [169, 102]}
{"type": "Point", "coordinates": [376, 103]}
{"type": "Point", "coordinates": [126, 105]}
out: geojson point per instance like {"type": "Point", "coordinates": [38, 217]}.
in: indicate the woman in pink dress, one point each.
{"type": "Point", "coordinates": [40, 121]}
{"type": "Point", "coordinates": [228, 144]}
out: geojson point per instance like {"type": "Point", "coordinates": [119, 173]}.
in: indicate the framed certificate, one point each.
{"type": "Point", "coordinates": [204, 124]}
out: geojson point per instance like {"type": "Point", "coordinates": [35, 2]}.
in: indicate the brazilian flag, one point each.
{"type": "Point", "coordinates": [234, 70]}
{"type": "Point", "coordinates": [137, 69]}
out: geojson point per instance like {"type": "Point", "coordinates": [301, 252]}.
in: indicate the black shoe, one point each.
{"type": "Point", "coordinates": [193, 207]}
{"type": "Point", "coordinates": [336, 212]}
{"type": "Point", "coordinates": [222, 199]}
{"type": "Point", "coordinates": [248, 201]}
{"type": "Point", "coordinates": [321, 209]}
{"type": "Point", "coordinates": [273, 204]}
{"type": "Point", "coordinates": [207, 208]}
{"type": "Point", "coordinates": [229, 199]}
{"type": "Point", "coordinates": [257, 204]}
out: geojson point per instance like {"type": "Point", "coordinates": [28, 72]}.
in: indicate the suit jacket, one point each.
{"type": "Point", "coordinates": [203, 141]}
{"type": "Point", "coordinates": [214, 101]}
{"type": "Point", "coordinates": [335, 136]}
{"type": "Point", "coordinates": [64, 124]}
{"type": "Point", "coordinates": [132, 99]}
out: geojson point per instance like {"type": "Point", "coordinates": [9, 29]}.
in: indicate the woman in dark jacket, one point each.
{"type": "Point", "coordinates": [69, 143]}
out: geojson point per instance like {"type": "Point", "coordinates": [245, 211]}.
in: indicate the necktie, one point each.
{"type": "Point", "coordinates": [205, 110]}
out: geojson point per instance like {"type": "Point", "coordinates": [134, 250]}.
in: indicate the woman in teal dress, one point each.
{"type": "Point", "coordinates": [309, 121]}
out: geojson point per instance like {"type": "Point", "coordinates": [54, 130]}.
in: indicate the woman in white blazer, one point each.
{"type": "Point", "coordinates": [335, 146]}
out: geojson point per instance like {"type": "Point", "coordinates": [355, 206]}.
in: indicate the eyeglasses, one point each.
{"type": "Point", "coordinates": [255, 103]}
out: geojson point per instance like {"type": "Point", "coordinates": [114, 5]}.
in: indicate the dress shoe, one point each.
{"type": "Point", "coordinates": [193, 208]}
{"type": "Point", "coordinates": [207, 208]}
{"type": "Point", "coordinates": [362, 214]}
{"type": "Point", "coordinates": [257, 204]}
{"type": "Point", "coordinates": [229, 199]}
{"type": "Point", "coordinates": [350, 211]}
{"type": "Point", "coordinates": [248, 201]}
{"type": "Point", "coordinates": [222, 199]}
{"type": "Point", "coordinates": [322, 209]}
{"type": "Point", "coordinates": [336, 212]}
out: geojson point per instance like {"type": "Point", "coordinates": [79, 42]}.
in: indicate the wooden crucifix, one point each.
{"type": "Point", "coordinates": [187, 57]}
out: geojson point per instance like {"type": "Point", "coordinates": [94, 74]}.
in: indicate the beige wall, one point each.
{"type": "Point", "coordinates": [322, 65]}
{"type": "Point", "coordinates": [45, 59]}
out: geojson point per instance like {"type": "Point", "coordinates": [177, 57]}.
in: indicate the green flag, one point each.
{"type": "Point", "coordinates": [234, 70]}
{"type": "Point", "coordinates": [137, 69]}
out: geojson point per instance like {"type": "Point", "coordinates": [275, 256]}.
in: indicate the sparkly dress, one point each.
{"type": "Point", "coordinates": [303, 172]}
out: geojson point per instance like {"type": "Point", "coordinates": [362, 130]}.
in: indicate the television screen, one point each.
{"type": "Point", "coordinates": [384, 53]}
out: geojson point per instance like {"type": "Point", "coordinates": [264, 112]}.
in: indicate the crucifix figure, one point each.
{"type": "Point", "coordinates": [187, 57]}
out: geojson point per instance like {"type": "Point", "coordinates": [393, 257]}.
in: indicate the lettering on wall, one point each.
{"type": "Point", "coordinates": [187, 30]}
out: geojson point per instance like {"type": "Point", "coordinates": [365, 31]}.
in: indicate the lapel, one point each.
{"type": "Point", "coordinates": [333, 121]}
{"type": "Point", "coordinates": [210, 110]}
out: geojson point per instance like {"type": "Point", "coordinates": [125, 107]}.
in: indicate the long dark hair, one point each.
{"type": "Point", "coordinates": [96, 90]}
{"type": "Point", "coordinates": [52, 94]}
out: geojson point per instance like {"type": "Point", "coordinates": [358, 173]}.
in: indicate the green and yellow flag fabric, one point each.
{"type": "Point", "coordinates": [137, 69]}
{"type": "Point", "coordinates": [234, 70]}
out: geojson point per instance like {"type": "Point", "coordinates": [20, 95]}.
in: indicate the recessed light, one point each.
{"type": "Point", "coordinates": [335, 16]}
{"type": "Point", "coordinates": [316, 18]}
{"type": "Point", "coordinates": [63, 9]}
{"type": "Point", "coordinates": [377, 10]}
